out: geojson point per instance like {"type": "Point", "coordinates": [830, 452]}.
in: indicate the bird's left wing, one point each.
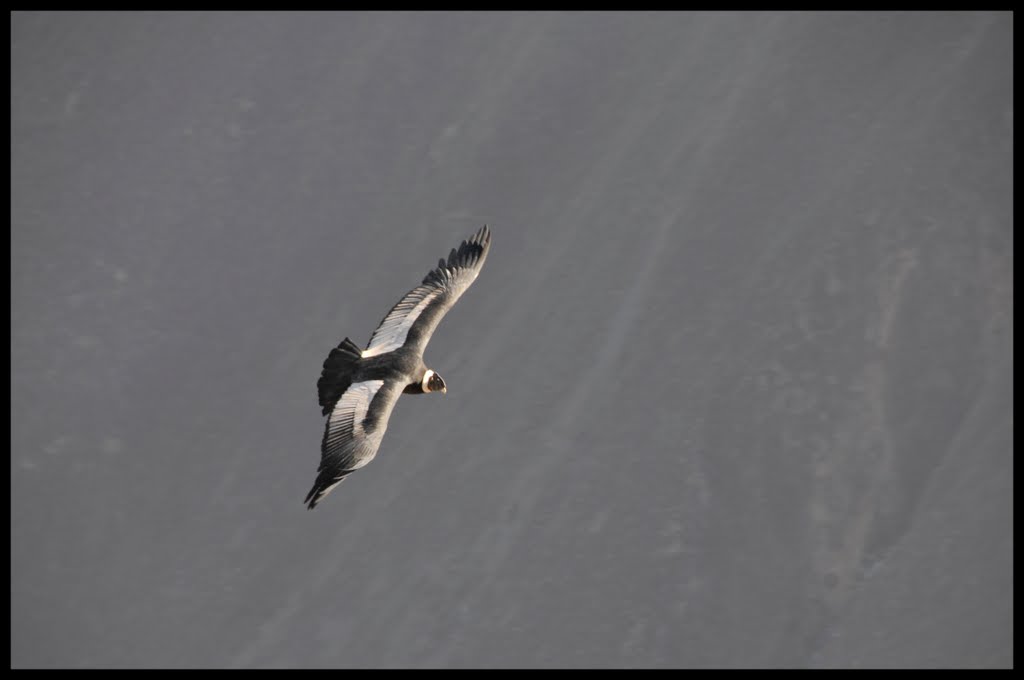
{"type": "Point", "coordinates": [353, 433]}
{"type": "Point", "coordinates": [412, 321]}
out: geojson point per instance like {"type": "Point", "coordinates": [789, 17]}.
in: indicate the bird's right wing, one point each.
{"type": "Point", "coordinates": [412, 321]}
{"type": "Point", "coordinates": [353, 433]}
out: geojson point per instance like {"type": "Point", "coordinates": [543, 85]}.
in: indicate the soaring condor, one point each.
{"type": "Point", "coordinates": [359, 388]}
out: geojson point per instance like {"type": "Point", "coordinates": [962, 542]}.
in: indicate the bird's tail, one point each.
{"type": "Point", "coordinates": [337, 373]}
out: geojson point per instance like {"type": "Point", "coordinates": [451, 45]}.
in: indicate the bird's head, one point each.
{"type": "Point", "coordinates": [432, 382]}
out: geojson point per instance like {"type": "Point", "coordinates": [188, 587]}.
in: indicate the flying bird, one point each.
{"type": "Point", "coordinates": [358, 388]}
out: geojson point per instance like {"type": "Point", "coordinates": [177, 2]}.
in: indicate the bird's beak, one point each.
{"type": "Point", "coordinates": [444, 390]}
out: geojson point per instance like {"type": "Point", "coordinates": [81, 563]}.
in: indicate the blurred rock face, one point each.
{"type": "Point", "coordinates": [734, 390]}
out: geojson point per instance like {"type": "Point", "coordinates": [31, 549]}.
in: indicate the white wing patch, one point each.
{"type": "Point", "coordinates": [346, 422]}
{"type": "Point", "coordinates": [394, 329]}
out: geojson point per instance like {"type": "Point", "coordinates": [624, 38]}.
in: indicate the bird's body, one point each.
{"type": "Point", "coordinates": [358, 388]}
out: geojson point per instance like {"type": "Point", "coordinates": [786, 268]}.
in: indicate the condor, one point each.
{"type": "Point", "coordinates": [358, 388]}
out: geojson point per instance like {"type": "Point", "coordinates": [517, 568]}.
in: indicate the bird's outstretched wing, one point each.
{"type": "Point", "coordinates": [412, 321]}
{"type": "Point", "coordinates": [353, 433]}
